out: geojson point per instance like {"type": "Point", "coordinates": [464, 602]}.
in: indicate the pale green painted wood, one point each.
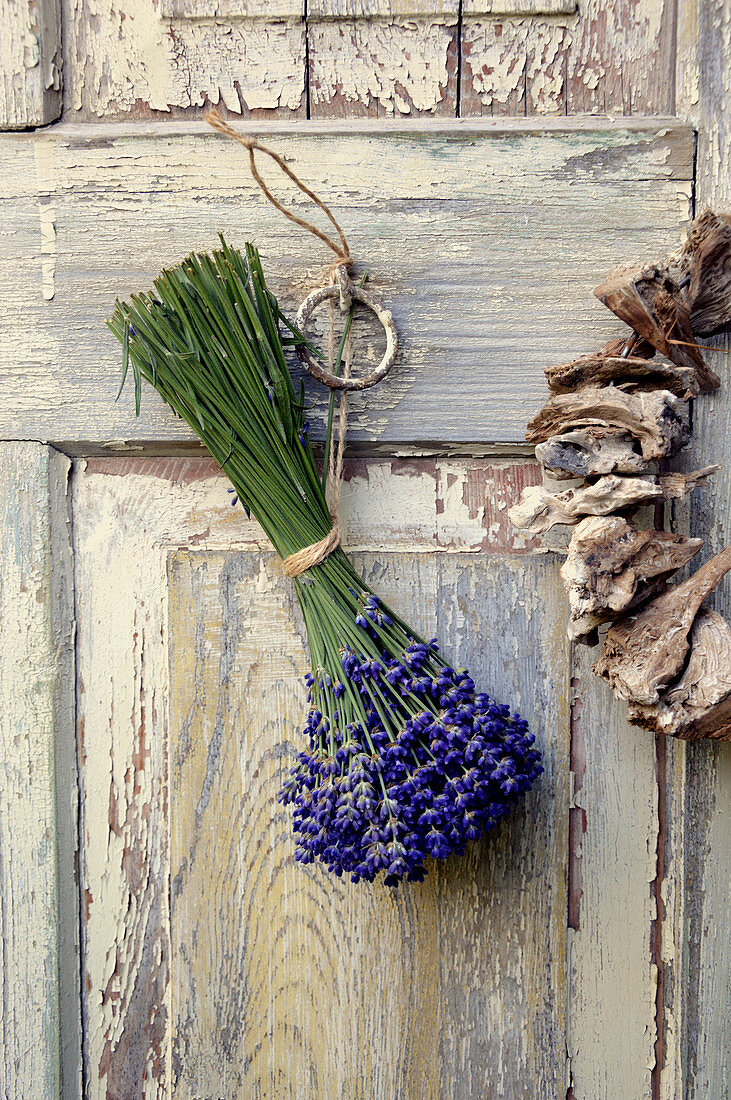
{"type": "Point", "coordinates": [484, 238]}
{"type": "Point", "coordinates": [38, 952]}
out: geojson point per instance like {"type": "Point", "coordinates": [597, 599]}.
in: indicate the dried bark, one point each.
{"type": "Point", "coordinates": [634, 344]}
{"type": "Point", "coordinates": [602, 370]}
{"type": "Point", "coordinates": [644, 652]}
{"type": "Point", "coordinates": [656, 420]}
{"type": "Point", "coordinates": [698, 703]}
{"type": "Point", "coordinates": [591, 452]}
{"type": "Point", "coordinates": [676, 486]}
{"type": "Point", "coordinates": [705, 260]}
{"type": "Point", "coordinates": [651, 303]}
{"type": "Point", "coordinates": [539, 509]}
{"type": "Point", "coordinates": [608, 565]}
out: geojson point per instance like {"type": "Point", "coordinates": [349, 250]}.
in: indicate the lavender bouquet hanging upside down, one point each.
{"type": "Point", "coordinates": [403, 760]}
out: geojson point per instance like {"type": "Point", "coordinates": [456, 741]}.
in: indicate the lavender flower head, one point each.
{"type": "Point", "coordinates": [405, 760]}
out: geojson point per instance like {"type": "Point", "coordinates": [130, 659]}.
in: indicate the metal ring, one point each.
{"type": "Point", "coordinates": [325, 376]}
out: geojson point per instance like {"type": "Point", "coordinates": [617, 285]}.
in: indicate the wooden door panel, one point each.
{"type": "Point", "coordinates": [287, 982]}
{"type": "Point", "coordinates": [190, 701]}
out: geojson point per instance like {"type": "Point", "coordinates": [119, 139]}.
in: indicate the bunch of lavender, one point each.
{"type": "Point", "coordinates": [403, 759]}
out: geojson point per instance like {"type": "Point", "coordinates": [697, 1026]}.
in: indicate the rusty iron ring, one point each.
{"type": "Point", "coordinates": [306, 310]}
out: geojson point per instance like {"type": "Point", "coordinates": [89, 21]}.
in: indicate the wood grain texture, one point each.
{"type": "Point", "coordinates": [609, 57]}
{"type": "Point", "coordinates": [612, 976]}
{"type": "Point", "coordinates": [380, 9]}
{"type": "Point", "coordinates": [37, 945]}
{"type": "Point", "coordinates": [290, 983]}
{"type": "Point", "coordinates": [474, 293]}
{"type": "Point", "coordinates": [701, 794]}
{"type": "Point", "coordinates": [268, 10]}
{"type": "Point", "coordinates": [30, 63]}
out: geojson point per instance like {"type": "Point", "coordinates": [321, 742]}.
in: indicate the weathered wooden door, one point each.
{"type": "Point", "coordinates": [158, 938]}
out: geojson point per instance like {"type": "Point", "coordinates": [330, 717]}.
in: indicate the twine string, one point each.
{"type": "Point", "coordinates": [340, 247]}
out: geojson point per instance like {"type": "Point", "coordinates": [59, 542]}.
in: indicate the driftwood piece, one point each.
{"type": "Point", "coordinates": [705, 261]}
{"type": "Point", "coordinates": [651, 303]}
{"type": "Point", "coordinates": [602, 370]}
{"type": "Point", "coordinates": [591, 452]}
{"type": "Point", "coordinates": [538, 509]}
{"type": "Point", "coordinates": [657, 419]}
{"type": "Point", "coordinates": [698, 703]}
{"type": "Point", "coordinates": [607, 565]}
{"type": "Point", "coordinates": [644, 652]}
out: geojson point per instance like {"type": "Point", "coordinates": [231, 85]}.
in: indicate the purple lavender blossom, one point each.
{"type": "Point", "coordinates": [430, 766]}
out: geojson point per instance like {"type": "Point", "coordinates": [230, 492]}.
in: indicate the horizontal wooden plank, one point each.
{"type": "Point", "coordinates": [485, 239]}
{"type": "Point", "coordinates": [356, 9]}
{"type": "Point", "coordinates": [232, 9]}
{"type": "Point", "coordinates": [381, 9]}
{"type": "Point", "coordinates": [519, 7]}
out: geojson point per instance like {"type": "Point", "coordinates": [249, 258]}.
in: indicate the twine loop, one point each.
{"type": "Point", "coordinates": [340, 288]}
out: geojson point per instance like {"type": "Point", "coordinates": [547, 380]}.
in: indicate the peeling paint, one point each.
{"type": "Point", "coordinates": [398, 66]}
{"type": "Point", "coordinates": [119, 57]}
{"type": "Point", "coordinates": [46, 185]}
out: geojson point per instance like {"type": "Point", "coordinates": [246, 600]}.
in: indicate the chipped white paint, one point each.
{"type": "Point", "coordinates": [394, 66]}
{"type": "Point", "coordinates": [45, 183]}
{"type": "Point", "coordinates": [606, 57]}
{"type": "Point", "coordinates": [519, 7]}
{"type": "Point", "coordinates": [269, 10]}
{"type": "Point", "coordinates": [470, 293]}
{"type": "Point", "coordinates": [390, 10]}
{"type": "Point", "coordinates": [376, 57]}
{"type": "Point", "coordinates": [116, 57]}
{"type": "Point", "coordinates": [30, 63]}
{"type": "Point", "coordinates": [503, 60]}
{"type": "Point", "coordinates": [36, 699]}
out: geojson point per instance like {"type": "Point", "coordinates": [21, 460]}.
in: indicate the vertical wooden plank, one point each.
{"type": "Point", "coordinates": [611, 908]}
{"type": "Point", "coordinates": [702, 798]}
{"type": "Point", "coordinates": [382, 58]}
{"type": "Point", "coordinates": [37, 945]}
{"type": "Point", "coordinates": [288, 982]}
{"type": "Point", "coordinates": [137, 61]}
{"type": "Point", "coordinates": [605, 57]}
{"type": "Point", "coordinates": [122, 747]}
{"type": "Point", "coordinates": [30, 63]}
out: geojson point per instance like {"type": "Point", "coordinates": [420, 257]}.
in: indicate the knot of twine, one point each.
{"type": "Point", "coordinates": [312, 555]}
